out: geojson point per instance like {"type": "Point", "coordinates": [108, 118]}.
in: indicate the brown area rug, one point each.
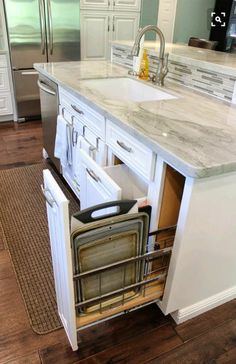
{"type": "Point", "coordinates": [23, 227]}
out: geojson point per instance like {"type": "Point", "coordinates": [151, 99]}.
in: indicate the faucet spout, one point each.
{"type": "Point", "coordinates": [162, 65]}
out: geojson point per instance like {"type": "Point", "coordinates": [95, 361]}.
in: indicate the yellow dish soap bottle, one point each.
{"type": "Point", "coordinates": [144, 68]}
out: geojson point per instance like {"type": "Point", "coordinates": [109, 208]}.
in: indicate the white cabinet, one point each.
{"type": "Point", "coordinates": [103, 21]}
{"type": "Point", "coordinates": [105, 184]}
{"type": "Point", "coordinates": [95, 32]}
{"type": "Point", "coordinates": [96, 185]}
{"type": "Point", "coordinates": [95, 4]}
{"type": "Point", "coordinates": [59, 232]}
{"type": "Point", "coordinates": [6, 107]}
{"type": "Point", "coordinates": [120, 5]}
{"type": "Point", "coordinates": [99, 29]}
{"type": "Point", "coordinates": [135, 154]}
{"type": "Point", "coordinates": [128, 5]}
{"type": "Point", "coordinates": [86, 131]}
{"type": "Point", "coordinates": [124, 26]}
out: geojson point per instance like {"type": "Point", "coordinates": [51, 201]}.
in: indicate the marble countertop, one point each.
{"type": "Point", "coordinates": [194, 133]}
{"type": "Point", "coordinates": [221, 62]}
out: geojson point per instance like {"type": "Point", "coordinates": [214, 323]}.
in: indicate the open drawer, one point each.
{"type": "Point", "coordinates": [103, 184]}
{"type": "Point", "coordinates": [148, 288]}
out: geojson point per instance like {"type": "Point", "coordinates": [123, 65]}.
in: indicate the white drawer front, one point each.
{"type": "Point", "coordinates": [5, 104]}
{"type": "Point", "coordinates": [3, 61]}
{"type": "Point", "coordinates": [84, 113]}
{"type": "Point", "coordinates": [135, 154]}
{"type": "Point", "coordinates": [4, 81]}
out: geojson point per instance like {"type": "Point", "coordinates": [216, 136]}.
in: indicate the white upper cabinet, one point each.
{"type": "Point", "coordinates": [119, 5]}
{"type": "Point", "coordinates": [95, 28]}
{"type": "Point", "coordinates": [95, 4]}
{"type": "Point", "coordinates": [130, 5]}
{"type": "Point", "coordinates": [125, 26]}
{"type": "Point", "coordinates": [99, 29]}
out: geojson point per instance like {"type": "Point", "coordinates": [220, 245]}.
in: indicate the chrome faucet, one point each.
{"type": "Point", "coordinates": [162, 69]}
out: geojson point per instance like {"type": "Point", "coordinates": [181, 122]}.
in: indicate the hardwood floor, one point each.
{"type": "Point", "coordinates": [142, 336]}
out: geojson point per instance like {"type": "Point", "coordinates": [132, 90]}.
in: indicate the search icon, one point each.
{"type": "Point", "coordinates": [218, 19]}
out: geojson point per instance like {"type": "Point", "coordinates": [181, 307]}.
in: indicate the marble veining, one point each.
{"type": "Point", "coordinates": [194, 133]}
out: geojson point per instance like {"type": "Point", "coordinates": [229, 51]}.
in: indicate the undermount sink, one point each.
{"type": "Point", "coordinates": [127, 89]}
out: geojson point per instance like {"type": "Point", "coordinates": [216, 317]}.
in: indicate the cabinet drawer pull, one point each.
{"type": "Point", "coordinates": [123, 146]}
{"type": "Point", "coordinates": [74, 137]}
{"type": "Point", "coordinates": [77, 109]}
{"type": "Point", "coordinates": [93, 175]}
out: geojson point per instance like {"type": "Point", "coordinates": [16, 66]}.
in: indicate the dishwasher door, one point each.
{"type": "Point", "coordinates": [49, 112]}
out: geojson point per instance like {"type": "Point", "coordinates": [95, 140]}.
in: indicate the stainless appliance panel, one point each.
{"type": "Point", "coordinates": [26, 29]}
{"type": "Point", "coordinates": [49, 111]}
{"type": "Point", "coordinates": [26, 93]}
{"type": "Point", "coordinates": [63, 30]}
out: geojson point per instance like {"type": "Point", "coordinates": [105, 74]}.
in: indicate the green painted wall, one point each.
{"type": "Point", "coordinates": [192, 19]}
{"type": "Point", "coordinates": [149, 12]}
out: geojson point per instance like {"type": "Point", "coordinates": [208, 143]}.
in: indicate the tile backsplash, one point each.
{"type": "Point", "coordinates": [202, 79]}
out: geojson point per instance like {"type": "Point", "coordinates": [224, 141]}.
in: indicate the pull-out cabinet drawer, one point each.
{"type": "Point", "coordinates": [75, 311]}
{"type": "Point", "coordinates": [135, 154]}
{"type": "Point", "coordinates": [103, 184]}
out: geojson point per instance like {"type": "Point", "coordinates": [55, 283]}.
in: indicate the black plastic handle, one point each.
{"type": "Point", "coordinates": [85, 215]}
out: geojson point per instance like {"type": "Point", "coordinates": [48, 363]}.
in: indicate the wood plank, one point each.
{"type": "Point", "coordinates": [171, 198]}
{"type": "Point", "coordinates": [213, 318]}
{"type": "Point", "coordinates": [204, 349]}
{"type": "Point", "coordinates": [16, 336]}
{"type": "Point", "coordinates": [20, 143]}
{"type": "Point", "coordinates": [6, 269]}
{"type": "Point", "coordinates": [227, 358]}
{"type": "Point", "coordinates": [136, 350]}
{"type": "Point", "coordinates": [107, 334]}
{"type": "Point", "coordinates": [139, 349]}
{"type": "Point", "coordinates": [29, 359]}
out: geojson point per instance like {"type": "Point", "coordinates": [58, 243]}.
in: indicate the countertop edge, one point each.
{"type": "Point", "coordinates": [182, 166]}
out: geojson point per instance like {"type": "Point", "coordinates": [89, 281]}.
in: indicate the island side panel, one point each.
{"type": "Point", "coordinates": [203, 262]}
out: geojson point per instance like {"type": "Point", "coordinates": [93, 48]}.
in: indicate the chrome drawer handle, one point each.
{"type": "Point", "coordinates": [50, 200]}
{"type": "Point", "coordinates": [123, 146]}
{"type": "Point", "coordinates": [77, 109]}
{"type": "Point", "coordinates": [74, 137]}
{"type": "Point", "coordinates": [93, 175]}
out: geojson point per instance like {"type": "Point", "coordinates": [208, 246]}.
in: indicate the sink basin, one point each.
{"type": "Point", "coordinates": [127, 89]}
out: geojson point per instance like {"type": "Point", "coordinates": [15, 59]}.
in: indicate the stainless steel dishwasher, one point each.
{"type": "Point", "coordinates": [49, 111]}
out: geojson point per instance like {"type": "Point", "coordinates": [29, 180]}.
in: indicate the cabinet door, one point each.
{"type": "Point", "coordinates": [125, 26]}
{"type": "Point", "coordinates": [4, 81]}
{"type": "Point", "coordinates": [95, 4]}
{"type": "Point", "coordinates": [96, 186]}
{"type": "Point", "coordinates": [95, 29]}
{"type": "Point", "coordinates": [129, 5]}
{"type": "Point", "coordinates": [5, 103]}
{"type": "Point", "coordinates": [59, 232]}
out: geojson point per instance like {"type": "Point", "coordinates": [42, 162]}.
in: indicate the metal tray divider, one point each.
{"type": "Point", "coordinates": [153, 254]}
{"type": "Point", "coordinates": [147, 257]}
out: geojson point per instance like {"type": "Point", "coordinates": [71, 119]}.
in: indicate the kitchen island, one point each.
{"type": "Point", "coordinates": [181, 152]}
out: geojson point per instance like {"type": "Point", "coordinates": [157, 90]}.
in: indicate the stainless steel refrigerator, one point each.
{"type": "Point", "coordinates": [39, 31]}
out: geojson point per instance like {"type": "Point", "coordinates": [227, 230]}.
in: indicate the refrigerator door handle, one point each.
{"type": "Point", "coordinates": [45, 88]}
{"type": "Point", "coordinates": [50, 26]}
{"type": "Point", "coordinates": [42, 26]}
